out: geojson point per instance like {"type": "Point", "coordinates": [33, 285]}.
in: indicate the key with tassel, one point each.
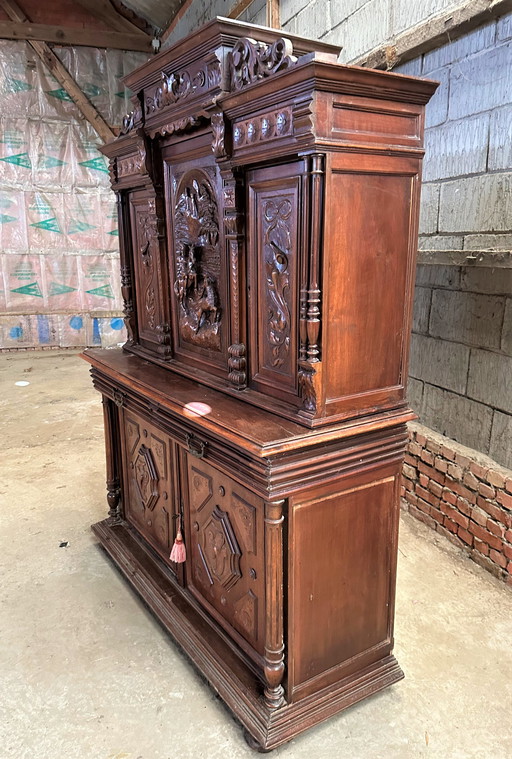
{"type": "Point", "coordinates": [178, 552]}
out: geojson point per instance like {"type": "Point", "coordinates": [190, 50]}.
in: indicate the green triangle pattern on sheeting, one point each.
{"type": "Point", "coordinates": [120, 94]}
{"type": "Point", "coordinates": [105, 291]}
{"type": "Point", "coordinates": [91, 90]}
{"type": "Point", "coordinates": [50, 225]}
{"type": "Point", "coordinates": [32, 289]}
{"type": "Point", "coordinates": [18, 85]}
{"type": "Point", "coordinates": [79, 226]}
{"type": "Point", "coordinates": [5, 219]}
{"type": "Point", "coordinates": [20, 159]}
{"type": "Point", "coordinates": [55, 288]}
{"type": "Point", "coordinates": [49, 162]}
{"type": "Point", "coordinates": [114, 233]}
{"type": "Point", "coordinates": [95, 163]}
{"type": "Point", "coordinates": [60, 94]}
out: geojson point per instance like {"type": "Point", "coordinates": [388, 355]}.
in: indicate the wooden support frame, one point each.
{"type": "Point", "coordinates": [59, 71]}
{"type": "Point", "coordinates": [273, 14]}
{"type": "Point", "coordinates": [13, 30]}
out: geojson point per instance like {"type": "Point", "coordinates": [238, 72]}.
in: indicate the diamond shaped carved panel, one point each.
{"type": "Point", "coordinates": [146, 477]}
{"type": "Point", "coordinates": [220, 549]}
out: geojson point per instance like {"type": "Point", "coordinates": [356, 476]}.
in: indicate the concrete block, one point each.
{"type": "Point", "coordinates": [411, 68]}
{"type": "Point", "coordinates": [342, 9]}
{"type": "Point", "coordinates": [436, 111]}
{"type": "Point", "coordinates": [290, 8]}
{"type": "Point", "coordinates": [456, 148]}
{"type": "Point", "coordinates": [438, 276]}
{"type": "Point", "coordinates": [480, 279]}
{"type": "Point", "coordinates": [476, 204]}
{"type": "Point", "coordinates": [490, 379]}
{"type": "Point", "coordinates": [364, 30]}
{"type": "Point", "coordinates": [407, 14]}
{"type": "Point", "coordinates": [501, 439]}
{"type": "Point", "coordinates": [457, 417]}
{"type": "Point", "coordinates": [415, 394]}
{"type": "Point", "coordinates": [481, 82]}
{"type": "Point", "coordinates": [504, 31]}
{"type": "Point", "coordinates": [429, 208]}
{"type": "Point", "coordinates": [488, 242]}
{"type": "Point", "coordinates": [439, 362]}
{"type": "Point", "coordinates": [500, 139]}
{"type": "Point", "coordinates": [471, 43]}
{"type": "Point", "coordinates": [467, 318]}
{"type": "Point", "coordinates": [441, 242]}
{"type": "Point", "coordinates": [506, 334]}
{"type": "Point", "coordinates": [315, 20]}
{"type": "Point", "coordinates": [421, 311]}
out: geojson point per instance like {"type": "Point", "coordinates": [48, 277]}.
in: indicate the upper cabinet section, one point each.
{"type": "Point", "coordinates": [268, 210]}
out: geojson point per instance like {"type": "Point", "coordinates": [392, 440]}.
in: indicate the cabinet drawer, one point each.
{"type": "Point", "coordinates": [225, 550]}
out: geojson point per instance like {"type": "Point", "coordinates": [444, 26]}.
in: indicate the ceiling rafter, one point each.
{"type": "Point", "coordinates": [12, 30]}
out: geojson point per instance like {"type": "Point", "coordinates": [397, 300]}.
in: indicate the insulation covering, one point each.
{"type": "Point", "coordinates": [59, 268]}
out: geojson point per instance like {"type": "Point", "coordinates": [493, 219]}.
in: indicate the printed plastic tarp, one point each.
{"type": "Point", "coordinates": [59, 269]}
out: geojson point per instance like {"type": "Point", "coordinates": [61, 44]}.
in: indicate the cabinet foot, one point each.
{"type": "Point", "coordinates": [253, 743]}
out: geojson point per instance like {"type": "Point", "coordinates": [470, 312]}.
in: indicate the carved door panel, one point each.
{"type": "Point", "coordinates": [198, 270]}
{"type": "Point", "coordinates": [150, 273]}
{"type": "Point", "coordinates": [225, 545]}
{"type": "Point", "coordinates": [275, 196]}
{"type": "Point", "coordinates": [151, 482]}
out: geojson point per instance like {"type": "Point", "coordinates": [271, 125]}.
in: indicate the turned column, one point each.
{"type": "Point", "coordinates": [112, 453]}
{"type": "Point", "coordinates": [274, 635]}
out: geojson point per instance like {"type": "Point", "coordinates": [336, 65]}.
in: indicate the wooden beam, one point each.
{"type": "Point", "coordinates": [13, 30]}
{"type": "Point", "coordinates": [273, 14]}
{"type": "Point", "coordinates": [105, 11]}
{"type": "Point", "coordinates": [62, 75]}
{"type": "Point", "coordinates": [432, 33]}
{"type": "Point", "coordinates": [239, 7]}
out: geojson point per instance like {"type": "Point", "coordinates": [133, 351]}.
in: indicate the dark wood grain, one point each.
{"type": "Point", "coordinates": [268, 209]}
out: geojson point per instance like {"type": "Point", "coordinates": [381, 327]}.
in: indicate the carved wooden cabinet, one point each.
{"type": "Point", "coordinates": [268, 210]}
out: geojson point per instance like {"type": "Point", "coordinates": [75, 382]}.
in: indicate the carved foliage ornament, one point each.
{"type": "Point", "coordinates": [277, 250]}
{"type": "Point", "coordinates": [252, 60]}
{"type": "Point", "coordinates": [148, 239]}
{"type": "Point", "coordinates": [131, 120]}
{"type": "Point", "coordinates": [180, 85]}
{"type": "Point", "coordinates": [196, 236]}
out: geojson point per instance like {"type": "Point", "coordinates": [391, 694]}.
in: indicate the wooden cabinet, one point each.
{"type": "Point", "coordinates": [268, 210]}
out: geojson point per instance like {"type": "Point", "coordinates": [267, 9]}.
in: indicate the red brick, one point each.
{"type": "Point", "coordinates": [496, 528]}
{"type": "Point", "coordinates": [437, 515]}
{"type": "Point", "coordinates": [486, 490]}
{"type": "Point", "coordinates": [423, 505]}
{"type": "Point", "coordinates": [402, 491]}
{"type": "Point", "coordinates": [470, 480]}
{"type": "Point", "coordinates": [460, 489]}
{"type": "Point", "coordinates": [440, 464]}
{"type": "Point", "coordinates": [435, 488]}
{"type": "Point", "coordinates": [413, 448]}
{"type": "Point", "coordinates": [425, 518]}
{"type": "Point", "coordinates": [478, 470]}
{"type": "Point", "coordinates": [433, 446]}
{"type": "Point", "coordinates": [451, 526]}
{"type": "Point", "coordinates": [509, 567]}
{"type": "Point", "coordinates": [508, 485]}
{"type": "Point", "coordinates": [449, 497]}
{"type": "Point", "coordinates": [455, 471]}
{"type": "Point", "coordinates": [496, 478]}
{"type": "Point", "coordinates": [498, 558]}
{"type": "Point", "coordinates": [422, 493]}
{"type": "Point", "coordinates": [423, 480]}
{"type": "Point", "coordinates": [409, 472]}
{"type": "Point", "coordinates": [491, 508]}
{"type": "Point", "coordinates": [411, 460]}
{"type": "Point", "coordinates": [504, 499]}
{"type": "Point", "coordinates": [479, 515]}
{"type": "Point", "coordinates": [461, 519]}
{"type": "Point", "coordinates": [421, 439]}
{"type": "Point", "coordinates": [427, 457]}
{"type": "Point", "coordinates": [464, 506]}
{"type": "Point", "coordinates": [481, 547]}
{"type": "Point", "coordinates": [465, 536]}
{"type": "Point", "coordinates": [462, 460]}
{"type": "Point", "coordinates": [508, 536]}
{"type": "Point", "coordinates": [482, 534]}
{"type": "Point", "coordinates": [486, 563]}
{"type": "Point", "coordinates": [450, 536]}
{"type": "Point", "coordinates": [507, 550]}
{"type": "Point", "coordinates": [448, 453]}
{"type": "Point", "coordinates": [411, 498]}
{"type": "Point", "coordinates": [409, 485]}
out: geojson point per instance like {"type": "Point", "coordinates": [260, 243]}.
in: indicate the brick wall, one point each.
{"type": "Point", "coordinates": [462, 495]}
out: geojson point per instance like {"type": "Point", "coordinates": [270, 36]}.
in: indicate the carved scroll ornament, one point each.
{"type": "Point", "coordinates": [252, 60]}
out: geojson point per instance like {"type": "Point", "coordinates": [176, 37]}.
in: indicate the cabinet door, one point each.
{"type": "Point", "coordinates": [149, 269]}
{"type": "Point", "coordinates": [275, 197]}
{"type": "Point", "coordinates": [150, 482]}
{"type": "Point", "coordinates": [225, 540]}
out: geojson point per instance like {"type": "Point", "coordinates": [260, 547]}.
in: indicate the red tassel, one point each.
{"type": "Point", "coordinates": [178, 553]}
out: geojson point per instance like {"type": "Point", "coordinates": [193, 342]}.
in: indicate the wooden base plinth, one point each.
{"type": "Point", "coordinates": [230, 677]}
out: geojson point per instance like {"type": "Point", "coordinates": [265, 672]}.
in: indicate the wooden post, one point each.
{"type": "Point", "coordinates": [274, 600]}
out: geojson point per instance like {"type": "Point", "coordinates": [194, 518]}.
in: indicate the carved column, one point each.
{"type": "Point", "coordinates": [126, 269]}
{"type": "Point", "coordinates": [110, 417]}
{"type": "Point", "coordinates": [274, 633]}
{"type": "Point", "coordinates": [233, 230]}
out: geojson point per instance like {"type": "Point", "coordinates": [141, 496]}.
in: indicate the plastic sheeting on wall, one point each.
{"type": "Point", "coordinates": [59, 271]}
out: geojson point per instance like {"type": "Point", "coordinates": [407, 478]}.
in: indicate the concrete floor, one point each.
{"type": "Point", "coordinates": [85, 671]}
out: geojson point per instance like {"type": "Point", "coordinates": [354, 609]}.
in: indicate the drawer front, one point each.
{"type": "Point", "coordinates": [149, 458]}
{"type": "Point", "coordinates": [225, 550]}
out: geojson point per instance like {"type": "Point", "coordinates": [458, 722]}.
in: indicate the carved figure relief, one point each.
{"type": "Point", "coordinates": [252, 60]}
{"type": "Point", "coordinates": [277, 240]}
{"type": "Point", "coordinates": [196, 235]}
{"type": "Point", "coordinates": [148, 239]}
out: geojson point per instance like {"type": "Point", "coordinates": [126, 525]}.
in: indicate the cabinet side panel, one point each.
{"type": "Point", "coordinates": [369, 257]}
{"type": "Point", "coordinates": [342, 580]}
